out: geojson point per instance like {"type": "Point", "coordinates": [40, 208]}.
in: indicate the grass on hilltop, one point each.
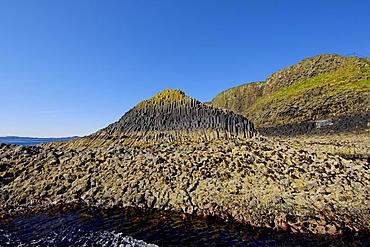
{"type": "Point", "coordinates": [352, 80]}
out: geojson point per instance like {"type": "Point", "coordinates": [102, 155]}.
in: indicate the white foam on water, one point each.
{"type": "Point", "coordinates": [76, 238]}
{"type": "Point", "coordinates": [107, 238]}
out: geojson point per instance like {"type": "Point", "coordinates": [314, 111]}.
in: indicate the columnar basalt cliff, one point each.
{"type": "Point", "coordinates": [172, 110]}
{"type": "Point", "coordinates": [174, 153]}
{"type": "Point", "coordinates": [171, 115]}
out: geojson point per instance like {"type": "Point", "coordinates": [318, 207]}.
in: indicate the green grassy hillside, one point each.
{"type": "Point", "coordinates": [316, 88]}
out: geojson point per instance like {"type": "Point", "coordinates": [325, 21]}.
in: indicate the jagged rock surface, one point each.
{"type": "Point", "coordinates": [250, 180]}
{"type": "Point", "coordinates": [183, 113]}
{"type": "Point", "coordinates": [354, 123]}
{"type": "Point", "coordinates": [168, 115]}
{"type": "Point", "coordinates": [258, 182]}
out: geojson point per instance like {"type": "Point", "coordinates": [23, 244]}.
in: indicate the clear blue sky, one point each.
{"type": "Point", "coordinates": [72, 67]}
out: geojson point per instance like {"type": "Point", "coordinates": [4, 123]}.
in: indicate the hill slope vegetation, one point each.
{"type": "Point", "coordinates": [321, 87]}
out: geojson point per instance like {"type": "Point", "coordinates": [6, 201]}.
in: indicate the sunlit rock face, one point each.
{"type": "Point", "coordinates": [168, 116]}
{"type": "Point", "coordinates": [176, 154]}
{"type": "Point", "coordinates": [172, 110]}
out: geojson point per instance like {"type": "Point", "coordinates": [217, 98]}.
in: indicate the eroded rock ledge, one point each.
{"type": "Point", "coordinates": [253, 181]}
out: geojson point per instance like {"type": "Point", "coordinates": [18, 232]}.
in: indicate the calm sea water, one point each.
{"type": "Point", "coordinates": [118, 227]}
{"type": "Point", "coordinates": [29, 141]}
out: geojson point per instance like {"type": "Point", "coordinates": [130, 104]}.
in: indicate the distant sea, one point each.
{"type": "Point", "coordinates": [30, 141]}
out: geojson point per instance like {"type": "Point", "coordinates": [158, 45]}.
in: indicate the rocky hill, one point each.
{"type": "Point", "coordinates": [174, 153]}
{"type": "Point", "coordinates": [173, 110]}
{"type": "Point", "coordinates": [322, 87]}
{"type": "Point", "coordinates": [170, 115]}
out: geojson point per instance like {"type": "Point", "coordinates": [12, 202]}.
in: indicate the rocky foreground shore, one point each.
{"type": "Point", "coordinates": [175, 153]}
{"type": "Point", "coordinates": [254, 181]}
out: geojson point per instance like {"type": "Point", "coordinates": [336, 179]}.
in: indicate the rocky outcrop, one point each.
{"type": "Point", "coordinates": [171, 110]}
{"type": "Point", "coordinates": [239, 99]}
{"type": "Point", "coordinates": [254, 181]}
{"type": "Point", "coordinates": [306, 69]}
{"type": "Point", "coordinates": [354, 123]}
{"type": "Point", "coordinates": [325, 86]}
{"type": "Point", "coordinates": [169, 115]}
{"type": "Point", "coordinates": [174, 153]}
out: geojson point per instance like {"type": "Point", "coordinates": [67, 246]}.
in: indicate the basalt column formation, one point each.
{"type": "Point", "coordinates": [171, 115]}
{"type": "Point", "coordinates": [174, 153]}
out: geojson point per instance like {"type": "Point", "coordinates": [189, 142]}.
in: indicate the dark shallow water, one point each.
{"type": "Point", "coordinates": [128, 227]}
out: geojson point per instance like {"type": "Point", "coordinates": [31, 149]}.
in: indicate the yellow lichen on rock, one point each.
{"type": "Point", "coordinates": [168, 95]}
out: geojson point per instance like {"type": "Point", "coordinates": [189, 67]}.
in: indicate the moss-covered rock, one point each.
{"type": "Point", "coordinates": [166, 96]}
{"type": "Point", "coordinates": [325, 86]}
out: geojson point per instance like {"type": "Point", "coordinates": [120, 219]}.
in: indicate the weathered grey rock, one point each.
{"type": "Point", "coordinates": [343, 124]}
{"type": "Point", "coordinates": [258, 182]}
{"type": "Point", "coordinates": [171, 110]}
{"type": "Point", "coordinates": [147, 160]}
